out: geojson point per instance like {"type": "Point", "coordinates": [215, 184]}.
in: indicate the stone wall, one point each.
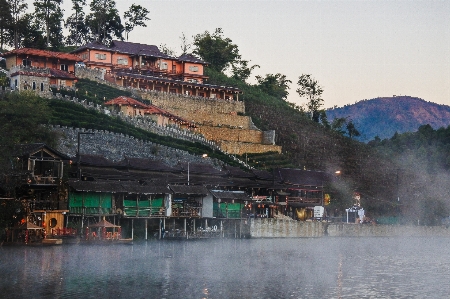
{"type": "Point", "coordinates": [240, 148]}
{"type": "Point", "coordinates": [115, 146]}
{"type": "Point", "coordinates": [268, 137]}
{"type": "Point", "coordinates": [174, 103]}
{"type": "Point", "coordinates": [280, 228]}
{"type": "Point", "coordinates": [227, 134]}
{"type": "Point", "coordinates": [230, 120]}
{"type": "Point", "coordinates": [87, 73]}
{"type": "Point", "coordinates": [147, 124]}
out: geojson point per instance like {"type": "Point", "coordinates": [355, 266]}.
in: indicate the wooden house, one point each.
{"type": "Point", "coordinates": [41, 171]}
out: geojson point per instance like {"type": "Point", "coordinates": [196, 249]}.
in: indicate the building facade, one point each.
{"type": "Point", "coordinates": [145, 67]}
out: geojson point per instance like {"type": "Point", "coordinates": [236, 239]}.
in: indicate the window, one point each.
{"type": "Point", "coordinates": [34, 85]}
{"type": "Point", "coordinates": [100, 56]}
{"type": "Point", "coordinates": [84, 56]}
{"type": "Point", "coordinates": [64, 67]}
{"type": "Point", "coordinates": [42, 86]}
{"type": "Point", "coordinates": [26, 62]}
{"type": "Point", "coordinates": [193, 68]}
{"type": "Point", "coordinates": [15, 84]}
{"type": "Point", "coordinates": [122, 61]}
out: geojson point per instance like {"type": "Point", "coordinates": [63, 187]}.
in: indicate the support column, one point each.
{"type": "Point", "coordinates": [146, 230]}
{"type": "Point", "coordinates": [132, 229]}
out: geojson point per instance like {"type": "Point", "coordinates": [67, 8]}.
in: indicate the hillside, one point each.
{"type": "Point", "coordinates": [383, 117]}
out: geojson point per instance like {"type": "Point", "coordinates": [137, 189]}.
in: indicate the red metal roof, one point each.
{"type": "Point", "coordinates": [42, 53]}
{"type": "Point", "coordinates": [123, 100]}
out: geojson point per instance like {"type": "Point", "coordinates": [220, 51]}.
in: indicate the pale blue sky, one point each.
{"type": "Point", "coordinates": [355, 49]}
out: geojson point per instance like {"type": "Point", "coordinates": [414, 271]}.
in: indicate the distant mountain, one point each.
{"type": "Point", "coordinates": [383, 117]}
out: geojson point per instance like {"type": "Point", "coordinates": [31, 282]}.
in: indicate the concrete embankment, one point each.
{"type": "Point", "coordinates": [367, 230]}
{"type": "Point", "coordinates": [277, 228]}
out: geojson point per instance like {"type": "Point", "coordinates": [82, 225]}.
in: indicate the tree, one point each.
{"type": "Point", "coordinates": [166, 50]}
{"type": "Point", "coordinates": [241, 70]}
{"type": "Point", "coordinates": [5, 21]}
{"type": "Point", "coordinates": [51, 13]}
{"type": "Point", "coordinates": [185, 45]}
{"type": "Point", "coordinates": [21, 118]}
{"type": "Point", "coordinates": [351, 130]}
{"type": "Point", "coordinates": [30, 33]}
{"type": "Point", "coordinates": [104, 21]}
{"type": "Point", "coordinates": [220, 52]}
{"type": "Point", "coordinates": [78, 30]}
{"type": "Point", "coordinates": [135, 16]}
{"type": "Point", "coordinates": [18, 7]}
{"type": "Point", "coordinates": [338, 124]}
{"type": "Point", "coordinates": [275, 85]}
{"type": "Point", "coordinates": [310, 88]}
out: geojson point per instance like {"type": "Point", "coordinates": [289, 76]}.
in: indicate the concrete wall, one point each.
{"type": "Point", "coordinates": [280, 228]}
{"type": "Point", "coordinates": [358, 230]}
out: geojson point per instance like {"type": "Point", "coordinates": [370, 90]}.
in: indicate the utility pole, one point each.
{"type": "Point", "coordinates": [79, 173]}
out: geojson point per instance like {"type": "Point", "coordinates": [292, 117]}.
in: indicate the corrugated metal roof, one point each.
{"type": "Point", "coordinates": [189, 189]}
{"type": "Point", "coordinates": [42, 53]}
{"type": "Point", "coordinates": [230, 195]}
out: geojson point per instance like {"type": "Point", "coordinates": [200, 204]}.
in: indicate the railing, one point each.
{"type": "Point", "coordinates": [44, 179]}
{"type": "Point", "coordinates": [303, 200]}
{"type": "Point", "coordinates": [190, 212]}
{"type": "Point", "coordinates": [61, 232]}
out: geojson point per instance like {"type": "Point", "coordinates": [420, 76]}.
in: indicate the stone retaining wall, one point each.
{"type": "Point", "coordinates": [227, 134]}
{"type": "Point", "coordinates": [240, 148]}
{"type": "Point", "coordinates": [230, 120]}
{"type": "Point", "coordinates": [173, 102]}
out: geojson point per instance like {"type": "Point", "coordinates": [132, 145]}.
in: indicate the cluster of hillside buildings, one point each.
{"type": "Point", "coordinates": [124, 63]}
{"type": "Point", "coordinates": [144, 188]}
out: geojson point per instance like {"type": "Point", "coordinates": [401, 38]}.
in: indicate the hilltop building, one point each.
{"type": "Point", "coordinates": [146, 67]}
{"type": "Point", "coordinates": [38, 70]}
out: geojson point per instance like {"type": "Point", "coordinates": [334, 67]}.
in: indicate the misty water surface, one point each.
{"type": "Point", "coordinates": [256, 268]}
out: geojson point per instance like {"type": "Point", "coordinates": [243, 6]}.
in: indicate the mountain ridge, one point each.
{"type": "Point", "coordinates": [384, 116]}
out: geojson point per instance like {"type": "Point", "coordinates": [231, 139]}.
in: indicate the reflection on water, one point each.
{"type": "Point", "coordinates": [258, 268]}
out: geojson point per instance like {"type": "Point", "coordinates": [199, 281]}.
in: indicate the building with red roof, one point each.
{"type": "Point", "coordinates": [146, 67]}
{"type": "Point", "coordinates": [131, 107]}
{"type": "Point", "coordinates": [37, 69]}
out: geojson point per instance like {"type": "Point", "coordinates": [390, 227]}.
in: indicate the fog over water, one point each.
{"type": "Point", "coordinates": [256, 268]}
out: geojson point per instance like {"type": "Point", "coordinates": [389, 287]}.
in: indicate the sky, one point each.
{"type": "Point", "coordinates": [356, 50]}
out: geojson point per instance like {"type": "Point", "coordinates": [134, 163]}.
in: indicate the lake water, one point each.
{"type": "Point", "coordinates": [228, 268]}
